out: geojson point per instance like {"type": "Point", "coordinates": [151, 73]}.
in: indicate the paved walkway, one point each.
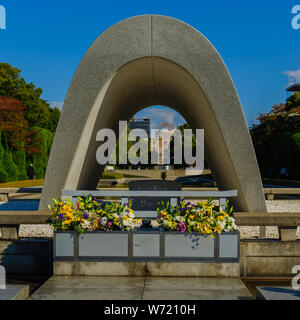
{"type": "Point", "coordinates": [141, 288]}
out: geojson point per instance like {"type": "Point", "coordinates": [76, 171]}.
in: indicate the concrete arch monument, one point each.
{"type": "Point", "coordinates": [144, 61]}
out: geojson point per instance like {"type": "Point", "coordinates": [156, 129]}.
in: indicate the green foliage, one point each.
{"type": "Point", "coordinates": [19, 158]}
{"type": "Point", "coordinates": [293, 101]}
{"type": "Point", "coordinates": [276, 139]}
{"type": "Point", "coordinates": [39, 116]}
{"type": "Point", "coordinates": [38, 112]}
{"type": "Point", "coordinates": [9, 166]}
{"type": "Point", "coordinates": [3, 173]}
{"type": "Point", "coordinates": [40, 161]}
{"type": "Point", "coordinates": [53, 120]}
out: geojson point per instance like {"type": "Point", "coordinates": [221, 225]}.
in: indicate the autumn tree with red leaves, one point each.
{"type": "Point", "coordinates": [15, 128]}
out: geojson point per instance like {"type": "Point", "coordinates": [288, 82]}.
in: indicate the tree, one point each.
{"type": "Point", "coordinates": [15, 128]}
{"type": "Point", "coordinates": [293, 102]}
{"type": "Point", "coordinates": [37, 111]}
{"type": "Point", "coordinates": [275, 138]}
{"type": "Point", "coordinates": [27, 126]}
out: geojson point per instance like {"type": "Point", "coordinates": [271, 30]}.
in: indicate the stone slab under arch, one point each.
{"type": "Point", "coordinates": [144, 61]}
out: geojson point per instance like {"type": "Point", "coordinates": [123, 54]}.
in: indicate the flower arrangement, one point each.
{"type": "Point", "coordinates": [201, 217]}
{"type": "Point", "coordinates": [91, 215]}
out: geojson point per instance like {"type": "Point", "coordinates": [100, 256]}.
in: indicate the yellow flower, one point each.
{"type": "Point", "coordinates": [218, 229]}
{"type": "Point", "coordinates": [68, 221]}
{"type": "Point", "coordinates": [164, 213]}
{"type": "Point", "coordinates": [192, 216]}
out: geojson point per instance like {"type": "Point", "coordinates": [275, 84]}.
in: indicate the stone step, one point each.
{"type": "Point", "coordinates": [14, 292]}
{"type": "Point", "coordinates": [277, 293]}
{"type": "Point", "coordinates": [141, 288]}
{"type": "Point", "coordinates": [141, 268]}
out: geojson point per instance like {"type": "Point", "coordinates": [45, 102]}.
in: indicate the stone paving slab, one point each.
{"type": "Point", "coordinates": [277, 293]}
{"type": "Point", "coordinates": [15, 292]}
{"type": "Point", "coordinates": [141, 288]}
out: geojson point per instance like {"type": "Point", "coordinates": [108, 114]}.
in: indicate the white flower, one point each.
{"type": "Point", "coordinates": [104, 221]}
{"type": "Point", "coordinates": [86, 224]}
{"type": "Point", "coordinates": [131, 215]}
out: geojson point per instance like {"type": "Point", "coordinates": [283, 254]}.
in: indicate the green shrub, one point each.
{"type": "Point", "coordinates": [19, 158]}
{"type": "Point", "coordinates": [40, 161]}
{"type": "Point", "coordinates": [9, 166]}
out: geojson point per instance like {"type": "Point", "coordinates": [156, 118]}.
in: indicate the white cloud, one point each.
{"type": "Point", "coordinates": [293, 76]}
{"type": "Point", "coordinates": [58, 104]}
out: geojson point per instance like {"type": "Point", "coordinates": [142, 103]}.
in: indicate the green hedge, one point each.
{"type": "Point", "coordinates": [3, 173]}
{"type": "Point", "coordinates": [13, 165]}
{"type": "Point", "coordinates": [40, 161]}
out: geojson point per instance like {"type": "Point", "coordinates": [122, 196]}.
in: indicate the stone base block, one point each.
{"type": "Point", "coordinates": [15, 292]}
{"type": "Point", "coordinates": [9, 232]}
{"type": "Point", "coordinates": [288, 233]}
{"type": "Point", "coordinates": [3, 197]}
{"type": "Point", "coordinates": [160, 269]}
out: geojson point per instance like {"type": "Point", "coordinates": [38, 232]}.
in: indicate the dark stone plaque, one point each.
{"type": "Point", "coordinates": [151, 203]}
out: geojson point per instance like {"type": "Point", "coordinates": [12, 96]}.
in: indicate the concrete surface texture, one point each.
{"type": "Point", "coordinates": [153, 60]}
{"type": "Point", "coordinates": [161, 269]}
{"type": "Point", "coordinates": [14, 292]}
{"type": "Point", "coordinates": [268, 258]}
{"type": "Point", "coordinates": [277, 293]}
{"type": "Point", "coordinates": [141, 288]}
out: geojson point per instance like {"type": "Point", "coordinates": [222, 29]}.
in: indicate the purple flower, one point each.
{"type": "Point", "coordinates": [60, 216]}
{"type": "Point", "coordinates": [86, 215]}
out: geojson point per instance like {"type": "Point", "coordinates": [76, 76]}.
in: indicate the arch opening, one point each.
{"type": "Point", "coordinates": [155, 81]}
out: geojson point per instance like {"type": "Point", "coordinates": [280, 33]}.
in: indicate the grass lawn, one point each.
{"type": "Point", "coordinates": [23, 184]}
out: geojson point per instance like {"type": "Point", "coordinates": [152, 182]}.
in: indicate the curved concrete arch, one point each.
{"type": "Point", "coordinates": [144, 61]}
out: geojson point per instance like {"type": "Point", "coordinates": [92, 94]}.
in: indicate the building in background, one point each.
{"type": "Point", "coordinates": [160, 141]}
{"type": "Point", "coordinates": [140, 123]}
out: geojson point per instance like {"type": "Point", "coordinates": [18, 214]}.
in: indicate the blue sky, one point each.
{"type": "Point", "coordinates": [47, 39]}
